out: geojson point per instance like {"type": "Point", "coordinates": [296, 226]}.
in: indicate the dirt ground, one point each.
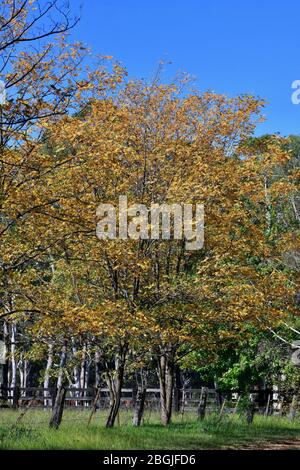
{"type": "Point", "coordinates": [285, 444]}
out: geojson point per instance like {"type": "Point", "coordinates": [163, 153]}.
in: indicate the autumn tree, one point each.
{"type": "Point", "coordinates": [153, 144]}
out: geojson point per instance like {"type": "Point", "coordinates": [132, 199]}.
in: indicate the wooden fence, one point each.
{"type": "Point", "coordinates": [264, 401]}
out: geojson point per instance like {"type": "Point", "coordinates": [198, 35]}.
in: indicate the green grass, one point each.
{"type": "Point", "coordinates": [230, 431]}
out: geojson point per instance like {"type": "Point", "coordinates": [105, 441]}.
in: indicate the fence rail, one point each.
{"type": "Point", "coordinates": [189, 399]}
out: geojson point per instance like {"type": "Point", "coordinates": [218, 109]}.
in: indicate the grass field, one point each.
{"type": "Point", "coordinates": [229, 432]}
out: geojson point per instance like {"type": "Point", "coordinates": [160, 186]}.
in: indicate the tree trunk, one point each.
{"type": "Point", "coordinates": [115, 386]}
{"type": "Point", "coordinates": [250, 411]}
{"type": "Point", "coordinates": [6, 365]}
{"type": "Point", "coordinates": [58, 408]}
{"type": "Point", "coordinates": [76, 372]}
{"type": "Point", "coordinates": [166, 383]}
{"type": "Point", "coordinates": [94, 407]}
{"type": "Point", "coordinates": [293, 407]}
{"type": "Point", "coordinates": [97, 369]}
{"type": "Point", "coordinates": [13, 375]}
{"type": "Point", "coordinates": [47, 394]}
{"type": "Point", "coordinates": [177, 390]}
{"type": "Point", "coordinates": [83, 371]}
{"type": "Point", "coordinates": [139, 406]}
{"type": "Point", "coordinates": [63, 360]}
{"type": "Point", "coordinates": [202, 404]}
{"type": "Point", "coordinates": [24, 371]}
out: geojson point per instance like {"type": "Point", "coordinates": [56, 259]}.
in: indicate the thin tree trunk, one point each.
{"type": "Point", "coordinates": [250, 410]}
{"type": "Point", "coordinates": [94, 407]}
{"type": "Point", "coordinates": [13, 376]}
{"type": "Point", "coordinates": [177, 390]}
{"type": "Point", "coordinates": [293, 407]}
{"type": "Point", "coordinates": [6, 364]}
{"type": "Point", "coordinates": [21, 371]}
{"type": "Point", "coordinates": [83, 371]}
{"type": "Point", "coordinates": [139, 406]}
{"type": "Point", "coordinates": [267, 410]}
{"type": "Point", "coordinates": [115, 386]}
{"type": "Point", "coordinates": [166, 384]}
{"type": "Point", "coordinates": [24, 369]}
{"type": "Point", "coordinates": [202, 404]}
{"type": "Point", "coordinates": [58, 408]}
{"type": "Point", "coordinates": [223, 407]}
{"type": "Point", "coordinates": [63, 361]}
{"type": "Point", "coordinates": [46, 384]}
{"type": "Point", "coordinates": [97, 369]}
{"type": "Point", "coordinates": [76, 372]}
{"type": "Point", "coordinates": [236, 404]}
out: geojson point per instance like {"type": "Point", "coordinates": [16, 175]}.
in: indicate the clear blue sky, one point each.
{"type": "Point", "coordinates": [231, 46]}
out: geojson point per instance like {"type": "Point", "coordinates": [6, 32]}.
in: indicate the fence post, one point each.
{"type": "Point", "coordinates": [16, 397]}
{"type": "Point", "coordinates": [58, 408]}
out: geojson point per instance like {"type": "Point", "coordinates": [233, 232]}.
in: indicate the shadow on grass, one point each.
{"type": "Point", "coordinates": [213, 432]}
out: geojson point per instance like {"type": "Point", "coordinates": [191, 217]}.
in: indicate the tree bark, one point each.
{"type": "Point", "coordinates": [13, 376]}
{"type": "Point", "coordinates": [139, 406]}
{"type": "Point", "coordinates": [83, 370]}
{"type": "Point", "coordinates": [293, 407]}
{"type": "Point", "coordinates": [97, 369]}
{"type": "Point", "coordinates": [166, 383]}
{"type": "Point", "coordinates": [24, 370]}
{"type": "Point", "coordinates": [84, 373]}
{"type": "Point", "coordinates": [250, 411]}
{"type": "Point", "coordinates": [202, 404]}
{"type": "Point", "coordinates": [47, 395]}
{"type": "Point", "coordinates": [115, 386]}
{"type": "Point", "coordinates": [58, 408]}
{"type": "Point", "coordinates": [76, 372]}
{"type": "Point", "coordinates": [63, 361]}
{"type": "Point", "coordinates": [94, 407]}
{"type": "Point", "coordinates": [177, 390]}
{"type": "Point", "coordinates": [6, 365]}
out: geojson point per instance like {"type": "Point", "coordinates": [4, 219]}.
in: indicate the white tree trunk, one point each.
{"type": "Point", "coordinates": [13, 376]}
{"type": "Point", "coordinates": [46, 384]}
{"type": "Point", "coordinates": [63, 360]}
